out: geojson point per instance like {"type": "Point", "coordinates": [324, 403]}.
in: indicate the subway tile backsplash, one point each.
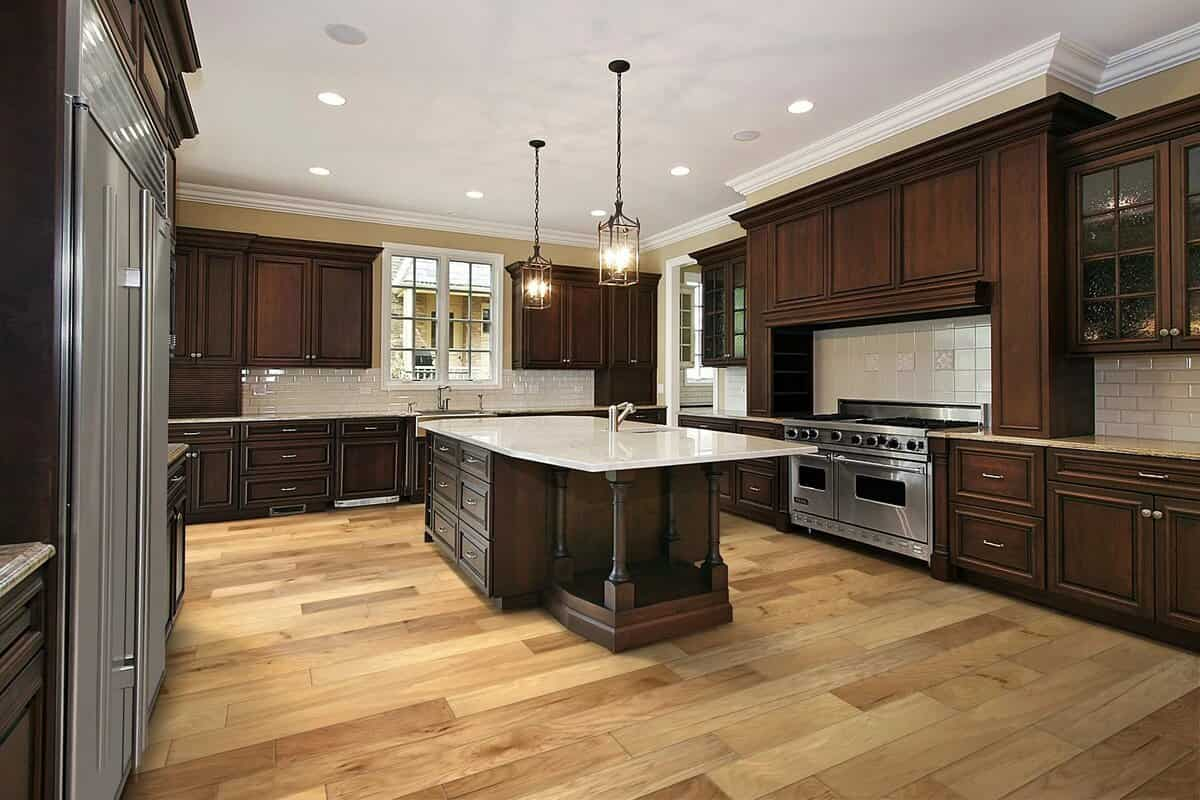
{"type": "Point", "coordinates": [945, 360]}
{"type": "Point", "coordinates": [1152, 397]}
{"type": "Point", "coordinates": [284, 391]}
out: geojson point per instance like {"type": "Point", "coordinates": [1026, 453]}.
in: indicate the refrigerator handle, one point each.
{"type": "Point", "coordinates": [145, 461]}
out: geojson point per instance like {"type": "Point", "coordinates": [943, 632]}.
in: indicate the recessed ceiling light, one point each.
{"type": "Point", "coordinates": [680, 171]}
{"type": "Point", "coordinates": [322, 171]}
{"type": "Point", "coordinates": [475, 194]}
{"type": "Point", "coordinates": [598, 212]}
{"type": "Point", "coordinates": [331, 99]}
{"type": "Point", "coordinates": [346, 34]}
{"type": "Point", "coordinates": [801, 107]}
{"type": "Point", "coordinates": [746, 136]}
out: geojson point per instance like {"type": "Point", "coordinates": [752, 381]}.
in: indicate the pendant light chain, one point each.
{"type": "Point", "coordinates": [618, 140]}
{"type": "Point", "coordinates": [537, 197]}
{"type": "Point", "coordinates": [535, 272]}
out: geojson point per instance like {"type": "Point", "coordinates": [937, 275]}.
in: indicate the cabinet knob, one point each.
{"type": "Point", "coordinates": [1164, 332]}
{"type": "Point", "coordinates": [1174, 331]}
{"type": "Point", "coordinates": [1147, 513]}
{"type": "Point", "coordinates": [1157, 515]}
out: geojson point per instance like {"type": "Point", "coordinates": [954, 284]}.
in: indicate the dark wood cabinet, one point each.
{"type": "Point", "coordinates": [23, 703]}
{"type": "Point", "coordinates": [340, 327]}
{"type": "Point", "coordinates": [570, 334]}
{"type": "Point", "coordinates": [212, 479]}
{"type": "Point", "coordinates": [755, 488]}
{"type": "Point", "coordinates": [209, 297]}
{"type": "Point", "coordinates": [941, 226]}
{"type": "Point", "coordinates": [724, 331]}
{"type": "Point", "coordinates": [1177, 562]}
{"type": "Point", "coordinates": [177, 497]}
{"type": "Point", "coordinates": [860, 244]}
{"type": "Point", "coordinates": [633, 323]}
{"type": "Point", "coordinates": [584, 304]}
{"type": "Point", "coordinates": [370, 467]}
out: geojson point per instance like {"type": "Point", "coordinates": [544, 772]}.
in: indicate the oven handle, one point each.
{"type": "Point", "coordinates": [891, 467]}
{"type": "Point", "coordinates": [814, 456]}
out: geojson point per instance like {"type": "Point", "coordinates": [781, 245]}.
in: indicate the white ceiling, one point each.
{"type": "Point", "coordinates": [445, 94]}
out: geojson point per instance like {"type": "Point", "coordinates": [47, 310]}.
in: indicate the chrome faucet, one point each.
{"type": "Point", "coordinates": [443, 402]}
{"type": "Point", "coordinates": [617, 415]}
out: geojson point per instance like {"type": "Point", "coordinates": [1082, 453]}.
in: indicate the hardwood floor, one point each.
{"type": "Point", "coordinates": [337, 657]}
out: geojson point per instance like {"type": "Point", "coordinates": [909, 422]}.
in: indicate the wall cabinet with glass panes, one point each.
{"type": "Point", "coordinates": [1133, 234]}
{"type": "Point", "coordinates": [723, 278]}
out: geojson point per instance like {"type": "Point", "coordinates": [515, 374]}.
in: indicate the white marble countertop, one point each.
{"type": "Point", "coordinates": [705, 411]}
{"type": "Point", "coordinates": [1124, 445]}
{"type": "Point", "coordinates": [396, 412]}
{"type": "Point", "coordinates": [584, 443]}
{"type": "Point", "coordinates": [19, 561]}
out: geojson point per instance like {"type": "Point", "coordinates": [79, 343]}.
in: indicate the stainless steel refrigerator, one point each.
{"type": "Point", "coordinates": [118, 273]}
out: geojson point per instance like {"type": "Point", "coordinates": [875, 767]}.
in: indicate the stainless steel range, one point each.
{"type": "Point", "coordinates": [870, 478]}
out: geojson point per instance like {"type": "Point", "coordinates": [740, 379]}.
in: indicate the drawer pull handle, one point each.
{"type": "Point", "coordinates": [443, 449]}
{"type": "Point", "coordinates": [288, 430]}
{"type": "Point", "coordinates": [441, 530]}
{"type": "Point", "coordinates": [177, 479]}
{"type": "Point", "coordinates": [370, 428]}
{"type": "Point", "coordinates": [992, 476]}
{"type": "Point", "coordinates": [469, 501]}
{"type": "Point", "coordinates": [997, 545]}
{"type": "Point", "coordinates": [471, 460]}
{"type": "Point", "coordinates": [470, 553]}
{"type": "Point", "coordinates": [289, 455]}
{"type": "Point", "coordinates": [1154, 476]}
{"type": "Point", "coordinates": [288, 489]}
{"type": "Point", "coordinates": [193, 433]}
{"type": "Point", "coordinates": [754, 489]}
{"type": "Point", "coordinates": [443, 485]}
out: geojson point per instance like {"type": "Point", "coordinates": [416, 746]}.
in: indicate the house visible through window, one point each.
{"type": "Point", "coordinates": [440, 310]}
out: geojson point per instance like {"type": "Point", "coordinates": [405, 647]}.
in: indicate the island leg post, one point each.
{"type": "Point", "coordinates": [619, 588]}
{"type": "Point", "coordinates": [563, 565]}
{"type": "Point", "coordinates": [671, 541]}
{"type": "Point", "coordinates": [713, 565]}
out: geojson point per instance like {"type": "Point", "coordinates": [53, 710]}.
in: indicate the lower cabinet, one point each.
{"type": "Point", "coordinates": [369, 468]}
{"type": "Point", "coordinates": [1177, 563]}
{"type": "Point", "coordinates": [177, 499]}
{"type": "Point", "coordinates": [754, 489]}
{"type": "Point", "coordinates": [212, 479]}
{"type": "Point", "coordinates": [22, 691]}
{"type": "Point", "coordinates": [1011, 547]}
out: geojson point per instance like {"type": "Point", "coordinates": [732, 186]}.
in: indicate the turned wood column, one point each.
{"type": "Point", "coordinates": [714, 565]}
{"type": "Point", "coordinates": [671, 541]}
{"type": "Point", "coordinates": [618, 588]}
{"type": "Point", "coordinates": [563, 566]}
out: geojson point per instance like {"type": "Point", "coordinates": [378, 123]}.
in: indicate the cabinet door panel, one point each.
{"type": "Point", "coordinates": [220, 291]}
{"type": "Point", "coordinates": [212, 477]}
{"type": "Point", "coordinates": [1177, 552]}
{"type": "Point", "coordinates": [542, 337]}
{"type": "Point", "coordinates": [621, 350]}
{"type": "Point", "coordinates": [714, 326]}
{"type": "Point", "coordinates": [940, 232]}
{"type": "Point", "coordinates": [1185, 241]}
{"type": "Point", "coordinates": [1101, 547]}
{"type": "Point", "coordinates": [369, 468]}
{"type": "Point", "coordinates": [645, 326]}
{"type": "Point", "coordinates": [183, 304]}
{"type": "Point", "coordinates": [585, 325]}
{"type": "Point", "coordinates": [800, 263]}
{"type": "Point", "coordinates": [341, 309]}
{"type": "Point", "coordinates": [860, 244]}
{"type": "Point", "coordinates": [277, 316]}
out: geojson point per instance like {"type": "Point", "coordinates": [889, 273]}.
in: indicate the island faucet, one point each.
{"type": "Point", "coordinates": [443, 402]}
{"type": "Point", "coordinates": [617, 415]}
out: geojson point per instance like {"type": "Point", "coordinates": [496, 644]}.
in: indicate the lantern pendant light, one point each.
{"type": "Point", "coordinates": [535, 272]}
{"type": "Point", "coordinates": [619, 237]}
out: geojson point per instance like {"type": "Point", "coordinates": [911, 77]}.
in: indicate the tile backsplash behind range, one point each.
{"type": "Point", "coordinates": [1152, 397]}
{"type": "Point", "coordinates": [310, 389]}
{"type": "Point", "coordinates": [945, 360]}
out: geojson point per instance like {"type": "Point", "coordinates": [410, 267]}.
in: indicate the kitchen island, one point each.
{"type": "Point", "coordinates": [616, 534]}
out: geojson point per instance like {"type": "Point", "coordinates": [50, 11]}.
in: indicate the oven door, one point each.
{"type": "Point", "coordinates": [813, 481]}
{"type": "Point", "coordinates": [887, 495]}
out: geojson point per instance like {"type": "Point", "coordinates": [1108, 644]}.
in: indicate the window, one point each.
{"type": "Point", "coordinates": [691, 322]}
{"type": "Point", "coordinates": [440, 306]}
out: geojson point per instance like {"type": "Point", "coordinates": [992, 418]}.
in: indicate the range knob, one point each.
{"type": "Point", "coordinates": [836, 436]}
{"type": "Point", "coordinates": [791, 433]}
{"type": "Point", "coordinates": [856, 439]}
{"type": "Point", "coordinates": [872, 441]}
{"type": "Point", "coordinates": [893, 444]}
{"type": "Point", "coordinates": [814, 434]}
{"type": "Point", "coordinates": [911, 444]}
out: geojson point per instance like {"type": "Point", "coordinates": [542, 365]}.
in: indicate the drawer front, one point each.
{"type": "Point", "coordinates": [1010, 478]}
{"type": "Point", "coordinates": [177, 479]}
{"type": "Point", "coordinates": [1008, 546]}
{"type": "Point", "coordinates": [444, 527]}
{"type": "Point", "coordinates": [755, 489]}
{"type": "Point", "coordinates": [445, 449]}
{"type": "Point", "coordinates": [445, 483]}
{"type": "Point", "coordinates": [1162, 476]}
{"type": "Point", "coordinates": [657, 416]}
{"type": "Point", "coordinates": [304, 455]}
{"type": "Point", "coordinates": [370, 427]}
{"type": "Point", "coordinates": [707, 423]}
{"type": "Point", "coordinates": [473, 556]}
{"type": "Point", "coordinates": [475, 461]}
{"type": "Point", "coordinates": [206, 432]}
{"type": "Point", "coordinates": [285, 429]}
{"type": "Point", "coordinates": [766, 430]}
{"type": "Point", "coordinates": [21, 627]}
{"type": "Point", "coordinates": [277, 490]}
{"type": "Point", "coordinates": [473, 504]}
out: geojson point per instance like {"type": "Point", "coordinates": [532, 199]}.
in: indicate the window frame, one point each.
{"type": "Point", "coordinates": [705, 376]}
{"type": "Point", "coordinates": [443, 256]}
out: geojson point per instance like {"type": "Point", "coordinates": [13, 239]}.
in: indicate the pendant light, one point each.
{"type": "Point", "coordinates": [619, 237]}
{"type": "Point", "coordinates": [535, 272]}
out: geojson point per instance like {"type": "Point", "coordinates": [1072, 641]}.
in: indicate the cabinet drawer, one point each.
{"type": "Point", "coordinates": [766, 430]}
{"type": "Point", "coordinates": [304, 455]}
{"type": "Point", "coordinates": [445, 483]}
{"type": "Point", "coordinates": [21, 628]}
{"type": "Point", "coordinates": [444, 527]}
{"type": "Point", "coordinates": [1009, 546]}
{"type": "Point", "coordinates": [206, 432]}
{"type": "Point", "coordinates": [286, 429]}
{"type": "Point", "coordinates": [473, 556]}
{"type": "Point", "coordinates": [1007, 477]}
{"type": "Point", "coordinates": [273, 490]}
{"type": "Point", "coordinates": [1162, 476]}
{"type": "Point", "coordinates": [755, 489]}
{"type": "Point", "coordinates": [707, 423]}
{"type": "Point", "coordinates": [475, 461]}
{"type": "Point", "coordinates": [473, 503]}
{"type": "Point", "coordinates": [657, 416]}
{"type": "Point", "coordinates": [177, 479]}
{"type": "Point", "coordinates": [445, 449]}
{"type": "Point", "coordinates": [370, 427]}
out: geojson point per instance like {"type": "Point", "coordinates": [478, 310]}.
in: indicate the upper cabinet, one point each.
{"type": "Point", "coordinates": [570, 334]}
{"type": "Point", "coordinates": [1133, 232]}
{"type": "Point", "coordinates": [941, 225]}
{"type": "Point", "coordinates": [209, 297]}
{"type": "Point", "coordinates": [723, 289]}
{"type": "Point", "coordinates": [633, 323]}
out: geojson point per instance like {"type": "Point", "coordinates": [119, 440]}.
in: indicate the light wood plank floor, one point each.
{"type": "Point", "coordinates": [337, 657]}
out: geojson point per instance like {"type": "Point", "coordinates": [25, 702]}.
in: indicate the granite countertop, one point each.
{"type": "Point", "coordinates": [175, 452]}
{"type": "Point", "coordinates": [708, 412]}
{"type": "Point", "coordinates": [19, 561]}
{"type": "Point", "coordinates": [1160, 448]}
{"type": "Point", "coordinates": [352, 414]}
{"type": "Point", "coordinates": [584, 443]}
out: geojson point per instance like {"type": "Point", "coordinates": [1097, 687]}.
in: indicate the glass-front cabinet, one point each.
{"type": "Point", "coordinates": [723, 279]}
{"type": "Point", "coordinates": [1185, 169]}
{"type": "Point", "coordinates": [715, 322]}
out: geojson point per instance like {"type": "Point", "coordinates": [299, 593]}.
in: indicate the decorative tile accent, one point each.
{"type": "Point", "coordinates": [943, 360]}
{"type": "Point", "coordinates": [1151, 397]}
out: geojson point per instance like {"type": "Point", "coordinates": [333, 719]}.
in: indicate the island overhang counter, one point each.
{"type": "Point", "coordinates": [616, 534]}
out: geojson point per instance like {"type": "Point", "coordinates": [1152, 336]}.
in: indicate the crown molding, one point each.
{"type": "Point", "coordinates": [287, 204]}
{"type": "Point", "coordinates": [694, 227]}
{"type": "Point", "coordinates": [1154, 56]}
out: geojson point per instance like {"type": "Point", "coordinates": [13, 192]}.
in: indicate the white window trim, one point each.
{"type": "Point", "coordinates": [444, 255]}
{"type": "Point", "coordinates": [708, 378]}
